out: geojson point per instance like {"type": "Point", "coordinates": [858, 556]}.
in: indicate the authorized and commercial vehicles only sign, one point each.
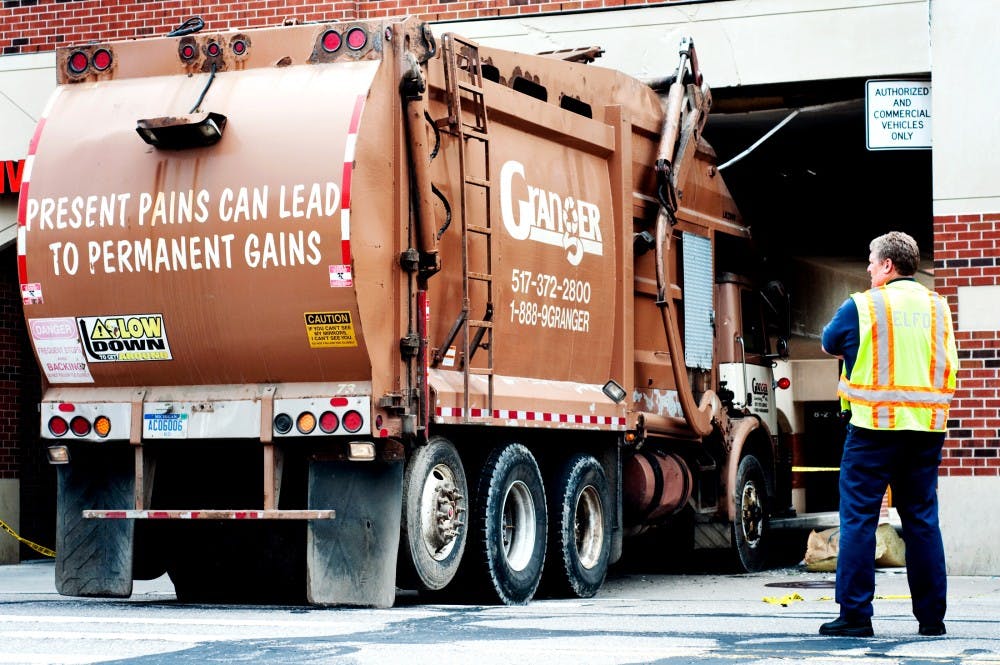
{"type": "Point", "coordinates": [897, 114]}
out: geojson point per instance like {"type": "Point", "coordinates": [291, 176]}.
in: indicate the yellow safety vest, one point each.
{"type": "Point", "coordinates": [904, 375]}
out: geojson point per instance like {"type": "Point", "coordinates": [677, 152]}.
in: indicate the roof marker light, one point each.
{"type": "Point", "coordinates": [102, 59]}
{"type": "Point", "coordinates": [331, 41]}
{"type": "Point", "coordinates": [356, 39]}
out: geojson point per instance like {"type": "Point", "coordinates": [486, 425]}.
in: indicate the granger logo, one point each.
{"type": "Point", "coordinates": [549, 217]}
{"type": "Point", "coordinates": [124, 338]}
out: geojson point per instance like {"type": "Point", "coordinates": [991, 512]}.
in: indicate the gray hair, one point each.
{"type": "Point", "coordinates": [900, 248]}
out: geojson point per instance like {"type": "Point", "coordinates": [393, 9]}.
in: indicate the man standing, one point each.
{"type": "Point", "coordinates": [900, 361]}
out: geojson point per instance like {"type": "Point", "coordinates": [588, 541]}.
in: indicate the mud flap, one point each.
{"type": "Point", "coordinates": [351, 560]}
{"type": "Point", "coordinates": [94, 556]}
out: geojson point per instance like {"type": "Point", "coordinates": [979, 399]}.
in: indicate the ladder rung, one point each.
{"type": "Point", "coordinates": [478, 182]}
{"type": "Point", "coordinates": [470, 87]}
{"type": "Point", "coordinates": [473, 133]}
{"type": "Point", "coordinates": [481, 371]}
{"type": "Point", "coordinates": [475, 228]}
{"type": "Point", "coordinates": [473, 323]}
{"type": "Point", "coordinates": [481, 276]}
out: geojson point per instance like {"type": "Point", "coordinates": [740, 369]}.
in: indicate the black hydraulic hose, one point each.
{"type": "Point", "coordinates": [437, 134]}
{"type": "Point", "coordinates": [202, 95]}
{"type": "Point", "coordinates": [447, 211]}
{"type": "Point", "coordinates": [193, 24]}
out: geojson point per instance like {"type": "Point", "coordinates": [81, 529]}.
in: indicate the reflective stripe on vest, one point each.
{"type": "Point", "coordinates": [879, 394]}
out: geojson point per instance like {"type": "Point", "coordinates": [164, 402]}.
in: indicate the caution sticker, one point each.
{"type": "Point", "coordinates": [330, 329]}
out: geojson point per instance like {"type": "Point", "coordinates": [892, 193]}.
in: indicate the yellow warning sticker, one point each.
{"type": "Point", "coordinates": [330, 329]}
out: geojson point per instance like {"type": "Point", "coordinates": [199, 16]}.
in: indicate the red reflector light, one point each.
{"type": "Point", "coordinates": [353, 421]}
{"type": "Point", "coordinates": [338, 401]}
{"type": "Point", "coordinates": [66, 407]}
{"type": "Point", "coordinates": [331, 41]}
{"type": "Point", "coordinates": [784, 382]}
{"type": "Point", "coordinates": [80, 426]}
{"type": "Point", "coordinates": [102, 59]}
{"type": "Point", "coordinates": [239, 47]}
{"type": "Point", "coordinates": [356, 39]}
{"type": "Point", "coordinates": [328, 421]}
{"type": "Point", "coordinates": [187, 51]}
{"type": "Point", "coordinates": [213, 49]}
{"type": "Point", "coordinates": [58, 426]}
{"type": "Point", "coordinates": [78, 62]}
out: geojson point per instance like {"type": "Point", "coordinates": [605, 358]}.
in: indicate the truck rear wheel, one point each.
{"type": "Point", "coordinates": [511, 524]}
{"type": "Point", "coordinates": [751, 534]}
{"type": "Point", "coordinates": [435, 508]}
{"type": "Point", "coordinates": [580, 529]}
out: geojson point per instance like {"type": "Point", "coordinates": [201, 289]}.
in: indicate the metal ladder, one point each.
{"type": "Point", "coordinates": [467, 121]}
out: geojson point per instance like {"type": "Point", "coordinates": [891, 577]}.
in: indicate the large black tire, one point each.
{"type": "Point", "coordinates": [435, 509]}
{"type": "Point", "coordinates": [510, 526]}
{"type": "Point", "coordinates": [751, 532]}
{"type": "Point", "coordinates": [579, 529]}
{"type": "Point", "coordinates": [94, 556]}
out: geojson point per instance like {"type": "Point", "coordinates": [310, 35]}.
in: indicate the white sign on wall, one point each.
{"type": "Point", "coordinates": [897, 114]}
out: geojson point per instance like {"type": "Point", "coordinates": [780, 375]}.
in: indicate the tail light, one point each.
{"type": "Point", "coordinates": [80, 426]}
{"type": "Point", "coordinates": [58, 426]}
{"type": "Point", "coordinates": [282, 423]}
{"type": "Point", "coordinates": [353, 421]}
{"type": "Point", "coordinates": [328, 422]}
{"type": "Point", "coordinates": [239, 47]}
{"type": "Point", "coordinates": [784, 382]}
{"type": "Point", "coordinates": [331, 41]}
{"type": "Point", "coordinates": [188, 51]}
{"type": "Point", "coordinates": [306, 422]}
{"type": "Point", "coordinates": [356, 39]}
{"type": "Point", "coordinates": [102, 426]}
{"type": "Point", "coordinates": [213, 50]}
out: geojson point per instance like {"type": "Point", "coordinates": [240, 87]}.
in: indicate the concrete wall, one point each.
{"type": "Point", "coordinates": [969, 525]}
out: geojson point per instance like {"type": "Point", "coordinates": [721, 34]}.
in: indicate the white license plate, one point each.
{"type": "Point", "coordinates": [165, 425]}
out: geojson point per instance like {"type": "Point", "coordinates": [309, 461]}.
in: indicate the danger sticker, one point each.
{"type": "Point", "coordinates": [124, 338]}
{"type": "Point", "coordinates": [59, 350]}
{"type": "Point", "coordinates": [330, 329]}
{"type": "Point", "coordinates": [340, 275]}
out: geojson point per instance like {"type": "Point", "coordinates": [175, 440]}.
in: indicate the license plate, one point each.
{"type": "Point", "coordinates": [165, 425]}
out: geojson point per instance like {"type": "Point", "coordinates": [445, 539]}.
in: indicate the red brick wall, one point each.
{"type": "Point", "coordinates": [966, 254]}
{"type": "Point", "coordinates": [42, 25]}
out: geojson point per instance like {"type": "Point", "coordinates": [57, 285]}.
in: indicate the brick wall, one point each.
{"type": "Point", "coordinates": [966, 254]}
{"type": "Point", "coordinates": [29, 26]}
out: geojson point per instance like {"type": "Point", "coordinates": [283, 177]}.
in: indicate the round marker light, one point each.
{"type": "Point", "coordinates": [331, 41]}
{"type": "Point", "coordinates": [80, 426]}
{"type": "Point", "coordinates": [239, 47]}
{"type": "Point", "coordinates": [102, 426]}
{"type": "Point", "coordinates": [306, 422]}
{"type": "Point", "coordinates": [78, 62]}
{"type": "Point", "coordinates": [353, 421]}
{"type": "Point", "coordinates": [784, 382]}
{"type": "Point", "coordinates": [328, 421]}
{"type": "Point", "coordinates": [188, 51]}
{"type": "Point", "coordinates": [213, 49]}
{"type": "Point", "coordinates": [58, 426]}
{"type": "Point", "coordinates": [356, 39]}
{"type": "Point", "coordinates": [282, 423]}
{"type": "Point", "coordinates": [102, 59]}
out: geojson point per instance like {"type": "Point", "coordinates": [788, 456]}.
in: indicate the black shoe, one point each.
{"type": "Point", "coordinates": [932, 629]}
{"type": "Point", "coordinates": [842, 627]}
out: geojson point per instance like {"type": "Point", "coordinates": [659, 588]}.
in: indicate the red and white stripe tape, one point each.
{"type": "Point", "coordinates": [22, 205]}
{"type": "Point", "coordinates": [345, 184]}
{"type": "Point", "coordinates": [534, 416]}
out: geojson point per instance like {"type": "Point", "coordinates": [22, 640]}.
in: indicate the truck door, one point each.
{"type": "Point", "coordinates": [745, 365]}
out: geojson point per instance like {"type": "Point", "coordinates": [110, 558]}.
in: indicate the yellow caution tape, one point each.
{"type": "Point", "coordinates": [784, 600]}
{"type": "Point", "coordinates": [801, 469]}
{"type": "Point", "coordinates": [38, 548]}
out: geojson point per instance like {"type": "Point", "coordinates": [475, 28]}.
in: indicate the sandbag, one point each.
{"type": "Point", "coordinates": [822, 548]}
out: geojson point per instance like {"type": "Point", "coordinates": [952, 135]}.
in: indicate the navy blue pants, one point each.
{"type": "Point", "coordinates": [909, 462]}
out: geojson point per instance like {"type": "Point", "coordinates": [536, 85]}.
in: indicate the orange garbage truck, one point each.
{"type": "Point", "coordinates": [328, 309]}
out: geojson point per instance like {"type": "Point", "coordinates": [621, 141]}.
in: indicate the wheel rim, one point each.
{"type": "Point", "coordinates": [439, 512]}
{"type": "Point", "coordinates": [752, 514]}
{"type": "Point", "coordinates": [588, 527]}
{"type": "Point", "coordinates": [518, 528]}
